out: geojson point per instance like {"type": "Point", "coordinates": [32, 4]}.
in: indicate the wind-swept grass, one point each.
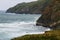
{"type": "Point", "coordinates": [48, 35]}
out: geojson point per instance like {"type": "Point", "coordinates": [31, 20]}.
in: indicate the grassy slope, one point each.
{"type": "Point", "coordinates": [49, 35]}
{"type": "Point", "coordinates": [32, 7]}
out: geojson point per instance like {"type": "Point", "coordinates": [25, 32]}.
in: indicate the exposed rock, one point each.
{"type": "Point", "coordinates": [51, 15]}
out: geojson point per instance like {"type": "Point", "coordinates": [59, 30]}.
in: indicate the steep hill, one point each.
{"type": "Point", "coordinates": [32, 7]}
{"type": "Point", "coordinates": [50, 15]}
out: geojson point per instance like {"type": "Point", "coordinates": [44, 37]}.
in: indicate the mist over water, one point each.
{"type": "Point", "coordinates": [14, 25]}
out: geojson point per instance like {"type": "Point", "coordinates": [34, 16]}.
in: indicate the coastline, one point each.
{"type": "Point", "coordinates": [32, 33]}
{"type": "Point", "coordinates": [48, 35]}
{"type": "Point", "coordinates": [50, 18]}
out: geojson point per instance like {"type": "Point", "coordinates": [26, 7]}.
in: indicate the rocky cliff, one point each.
{"type": "Point", "coordinates": [50, 15]}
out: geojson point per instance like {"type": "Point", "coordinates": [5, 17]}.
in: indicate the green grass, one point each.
{"type": "Point", "coordinates": [48, 35]}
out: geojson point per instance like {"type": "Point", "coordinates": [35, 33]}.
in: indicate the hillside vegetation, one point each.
{"type": "Point", "coordinates": [49, 35]}
{"type": "Point", "coordinates": [50, 10]}
{"type": "Point", "coordinates": [30, 8]}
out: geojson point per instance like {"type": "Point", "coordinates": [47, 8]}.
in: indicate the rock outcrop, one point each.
{"type": "Point", "coordinates": [50, 15]}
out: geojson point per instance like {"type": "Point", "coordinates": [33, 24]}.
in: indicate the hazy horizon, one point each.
{"type": "Point", "coordinates": [5, 4]}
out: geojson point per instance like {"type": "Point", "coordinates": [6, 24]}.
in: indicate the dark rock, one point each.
{"type": "Point", "coordinates": [51, 15]}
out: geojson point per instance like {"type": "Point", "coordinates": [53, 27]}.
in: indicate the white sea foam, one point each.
{"type": "Point", "coordinates": [17, 27]}
{"type": "Point", "coordinates": [15, 24]}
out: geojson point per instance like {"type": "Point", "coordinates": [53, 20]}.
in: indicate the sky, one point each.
{"type": "Point", "coordinates": [5, 4]}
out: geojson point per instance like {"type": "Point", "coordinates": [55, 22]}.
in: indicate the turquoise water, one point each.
{"type": "Point", "coordinates": [14, 25]}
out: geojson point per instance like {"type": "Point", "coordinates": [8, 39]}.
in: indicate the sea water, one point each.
{"type": "Point", "coordinates": [14, 25]}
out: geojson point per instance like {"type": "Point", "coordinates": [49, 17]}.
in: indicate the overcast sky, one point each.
{"type": "Point", "coordinates": [5, 4]}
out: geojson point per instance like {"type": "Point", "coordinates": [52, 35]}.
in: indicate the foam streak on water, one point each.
{"type": "Point", "coordinates": [14, 25]}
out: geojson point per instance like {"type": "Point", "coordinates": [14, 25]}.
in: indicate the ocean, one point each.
{"type": "Point", "coordinates": [15, 25]}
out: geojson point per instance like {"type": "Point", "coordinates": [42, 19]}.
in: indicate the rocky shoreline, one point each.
{"type": "Point", "coordinates": [51, 15]}
{"type": "Point", "coordinates": [50, 10]}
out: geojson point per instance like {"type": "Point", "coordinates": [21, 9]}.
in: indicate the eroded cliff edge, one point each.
{"type": "Point", "coordinates": [50, 15]}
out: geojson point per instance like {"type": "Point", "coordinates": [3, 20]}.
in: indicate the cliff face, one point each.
{"type": "Point", "coordinates": [32, 7]}
{"type": "Point", "coordinates": [50, 15]}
